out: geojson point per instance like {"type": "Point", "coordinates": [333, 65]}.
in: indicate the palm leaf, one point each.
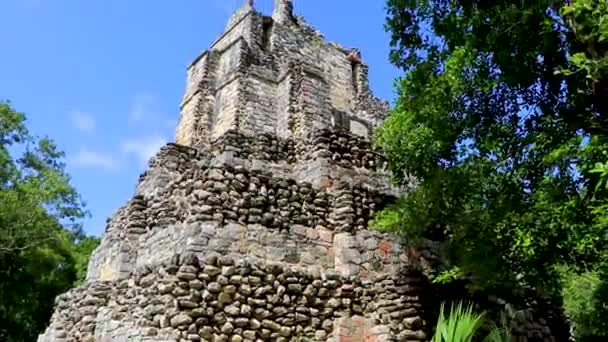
{"type": "Point", "coordinates": [460, 326]}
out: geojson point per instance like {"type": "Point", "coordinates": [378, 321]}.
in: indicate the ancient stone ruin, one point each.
{"type": "Point", "coordinates": [252, 226]}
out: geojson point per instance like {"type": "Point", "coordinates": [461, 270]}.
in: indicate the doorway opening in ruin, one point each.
{"type": "Point", "coordinates": [341, 120]}
{"type": "Point", "coordinates": [354, 66]}
{"type": "Point", "coordinates": [267, 24]}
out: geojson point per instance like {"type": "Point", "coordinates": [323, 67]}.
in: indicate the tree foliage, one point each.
{"type": "Point", "coordinates": [42, 247]}
{"type": "Point", "coordinates": [585, 302]}
{"type": "Point", "coordinates": [501, 118]}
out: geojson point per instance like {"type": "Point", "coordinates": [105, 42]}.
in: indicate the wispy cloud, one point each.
{"type": "Point", "coordinates": [143, 148]}
{"type": "Point", "coordinates": [84, 122]}
{"type": "Point", "coordinates": [86, 158]}
{"type": "Point", "coordinates": [142, 108]}
{"type": "Point", "coordinates": [145, 113]}
{"type": "Point", "coordinates": [144, 116]}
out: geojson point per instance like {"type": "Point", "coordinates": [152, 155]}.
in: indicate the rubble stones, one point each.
{"type": "Point", "coordinates": [180, 320]}
{"type": "Point", "coordinates": [276, 302]}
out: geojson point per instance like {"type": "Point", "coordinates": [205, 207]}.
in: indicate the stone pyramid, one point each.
{"type": "Point", "coordinates": [252, 226]}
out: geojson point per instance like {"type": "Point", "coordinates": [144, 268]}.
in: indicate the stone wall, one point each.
{"type": "Point", "coordinates": [239, 194]}
{"type": "Point", "coordinates": [238, 27]}
{"type": "Point", "coordinates": [190, 199]}
{"type": "Point", "coordinates": [157, 275]}
{"type": "Point", "coordinates": [219, 297]}
{"type": "Point", "coordinates": [364, 254]}
{"type": "Point", "coordinates": [197, 107]}
{"type": "Point", "coordinates": [285, 104]}
{"type": "Point", "coordinates": [260, 101]}
{"type": "Point", "coordinates": [346, 150]}
{"type": "Point", "coordinates": [223, 298]}
{"type": "Point", "coordinates": [226, 108]}
{"type": "Point", "coordinates": [266, 147]}
{"type": "Point", "coordinates": [340, 147]}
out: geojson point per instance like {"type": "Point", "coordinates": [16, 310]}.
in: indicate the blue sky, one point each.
{"type": "Point", "coordinates": [104, 78]}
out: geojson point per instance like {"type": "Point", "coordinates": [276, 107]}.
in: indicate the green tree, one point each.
{"type": "Point", "coordinates": [41, 243]}
{"type": "Point", "coordinates": [585, 302]}
{"type": "Point", "coordinates": [501, 119]}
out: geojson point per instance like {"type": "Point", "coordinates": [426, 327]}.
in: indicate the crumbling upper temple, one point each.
{"type": "Point", "coordinates": [275, 75]}
{"type": "Point", "coordinates": [253, 225]}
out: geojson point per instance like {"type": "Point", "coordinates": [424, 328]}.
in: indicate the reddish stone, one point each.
{"type": "Point", "coordinates": [385, 248]}
{"type": "Point", "coordinates": [326, 182]}
{"type": "Point", "coordinates": [325, 235]}
{"type": "Point", "coordinates": [355, 329]}
{"type": "Point", "coordinates": [312, 233]}
{"type": "Point", "coordinates": [364, 273]}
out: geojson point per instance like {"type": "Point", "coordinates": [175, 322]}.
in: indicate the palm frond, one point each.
{"type": "Point", "coordinates": [460, 326]}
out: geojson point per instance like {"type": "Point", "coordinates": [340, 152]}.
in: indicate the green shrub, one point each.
{"type": "Point", "coordinates": [586, 303]}
{"type": "Point", "coordinates": [463, 324]}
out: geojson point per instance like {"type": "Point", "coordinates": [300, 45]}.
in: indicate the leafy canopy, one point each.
{"type": "Point", "coordinates": [501, 118]}
{"type": "Point", "coordinates": [42, 248]}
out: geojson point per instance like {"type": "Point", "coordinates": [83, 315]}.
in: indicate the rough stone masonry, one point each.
{"type": "Point", "coordinates": [253, 225]}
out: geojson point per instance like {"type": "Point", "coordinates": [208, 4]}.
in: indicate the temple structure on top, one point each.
{"type": "Point", "coordinates": [275, 75]}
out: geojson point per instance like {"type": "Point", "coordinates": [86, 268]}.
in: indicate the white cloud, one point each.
{"type": "Point", "coordinates": [143, 148]}
{"type": "Point", "coordinates": [86, 158]}
{"type": "Point", "coordinates": [145, 114]}
{"type": "Point", "coordinates": [142, 108]}
{"type": "Point", "coordinates": [84, 122]}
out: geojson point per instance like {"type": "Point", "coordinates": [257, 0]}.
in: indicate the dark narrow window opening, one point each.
{"type": "Point", "coordinates": [341, 120]}
{"type": "Point", "coordinates": [354, 65]}
{"type": "Point", "coordinates": [266, 32]}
